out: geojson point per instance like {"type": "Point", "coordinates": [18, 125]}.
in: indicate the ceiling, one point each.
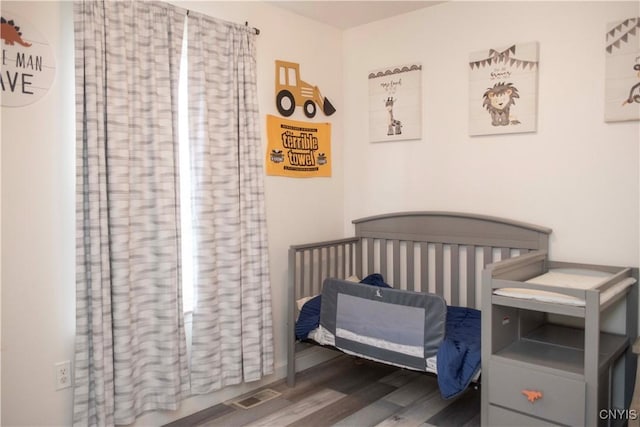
{"type": "Point", "coordinates": [348, 14]}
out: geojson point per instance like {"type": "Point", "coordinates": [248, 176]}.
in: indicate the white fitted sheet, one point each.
{"type": "Point", "coordinates": [567, 278]}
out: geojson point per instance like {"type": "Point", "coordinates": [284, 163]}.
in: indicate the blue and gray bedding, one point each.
{"type": "Point", "coordinates": [404, 328]}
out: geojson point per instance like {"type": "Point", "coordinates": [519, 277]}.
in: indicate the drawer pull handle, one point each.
{"type": "Point", "coordinates": [532, 395]}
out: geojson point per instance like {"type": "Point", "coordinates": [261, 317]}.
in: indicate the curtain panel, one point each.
{"type": "Point", "coordinates": [130, 342]}
{"type": "Point", "coordinates": [232, 337]}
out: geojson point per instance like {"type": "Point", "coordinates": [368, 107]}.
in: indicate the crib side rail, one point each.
{"type": "Point", "coordinates": [309, 265]}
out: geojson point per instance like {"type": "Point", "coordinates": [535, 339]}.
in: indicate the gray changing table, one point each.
{"type": "Point", "coordinates": [536, 370]}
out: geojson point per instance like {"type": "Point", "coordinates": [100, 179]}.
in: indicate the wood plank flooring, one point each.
{"type": "Point", "coordinates": [348, 392]}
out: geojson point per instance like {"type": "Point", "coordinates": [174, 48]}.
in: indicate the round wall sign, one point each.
{"type": "Point", "coordinates": [28, 64]}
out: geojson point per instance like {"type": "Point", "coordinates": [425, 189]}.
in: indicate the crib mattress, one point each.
{"type": "Point", "coordinates": [573, 278]}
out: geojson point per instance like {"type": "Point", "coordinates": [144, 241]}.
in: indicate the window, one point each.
{"type": "Point", "coordinates": [185, 182]}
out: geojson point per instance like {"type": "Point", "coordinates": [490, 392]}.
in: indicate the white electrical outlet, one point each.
{"type": "Point", "coordinates": [63, 374]}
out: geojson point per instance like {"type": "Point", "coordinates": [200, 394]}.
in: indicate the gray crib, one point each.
{"type": "Point", "coordinates": [443, 253]}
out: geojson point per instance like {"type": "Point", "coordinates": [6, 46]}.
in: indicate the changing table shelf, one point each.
{"type": "Point", "coordinates": [561, 348]}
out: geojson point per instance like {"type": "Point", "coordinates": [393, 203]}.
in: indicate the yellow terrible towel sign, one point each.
{"type": "Point", "coordinates": [298, 149]}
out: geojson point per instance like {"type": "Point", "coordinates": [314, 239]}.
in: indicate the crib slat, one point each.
{"type": "Point", "coordinates": [487, 255]}
{"type": "Point", "coordinates": [307, 276]}
{"type": "Point", "coordinates": [358, 248]}
{"type": "Point", "coordinates": [342, 265]}
{"type": "Point", "coordinates": [355, 260]}
{"type": "Point", "coordinates": [396, 263]}
{"type": "Point", "coordinates": [346, 260]}
{"type": "Point", "coordinates": [327, 261]}
{"type": "Point", "coordinates": [351, 261]}
{"type": "Point", "coordinates": [317, 284]}
{"type": "Point", "coordinates": [297, 274]}
{"type": "Point", "coordinates": [505, 253]}
{"type": "Point", "coordinates": [322, 265]}
{"type": "Point", "coordinates": [438, 267]}
{"type": "Point", "coordinates": [309, 286]}
{"type": "Point", "coordinates": [370, 250]}
{"type": "Point", "coordinates": [424, 267]}
{"type": "Point", "coordinates": [333, 261]}
{"type": "Point", "coordinates": [455, 275]}
{"type": "Point", "coordinates": [410, 267]}
{"type": "Point", "coordinates": [317, 270]}
{"type": "Point", "coordinates": [356, 253]}
{"type": "Point", "coordinates": [383, 258]}
{"type": "Point", "coordinates": [300, 273]}
{"type": "Point", "coordinates": [471, 276]}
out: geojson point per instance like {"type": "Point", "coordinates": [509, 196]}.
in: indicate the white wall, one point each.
{"type": "Point", "coordinates": [576, 174]}
{"type": "Point", "coordinates": [38, 246]}
{"type": "Point", "coordinates": [38, 210]}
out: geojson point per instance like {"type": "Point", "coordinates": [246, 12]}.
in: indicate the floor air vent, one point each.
{"type": "Point", "coordinates": [256, 399]}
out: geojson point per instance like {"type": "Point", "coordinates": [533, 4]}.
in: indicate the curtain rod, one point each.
{"type": "Point", "coordinates": [257, 30]}
{"type": "Point", "coordinates": [246, 23]}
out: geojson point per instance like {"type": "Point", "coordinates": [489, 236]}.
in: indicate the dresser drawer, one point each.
{"type": "Point", "coordinates": [562, 399]}
{"type": "Point", "coordinates": [500, 417]}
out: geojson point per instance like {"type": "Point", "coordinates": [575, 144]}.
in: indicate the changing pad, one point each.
{"type": "Point", "coordinates": [572, 278]}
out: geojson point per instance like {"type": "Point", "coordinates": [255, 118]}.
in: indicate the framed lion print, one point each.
{"type": "Point", "coordinates": [503, 89]}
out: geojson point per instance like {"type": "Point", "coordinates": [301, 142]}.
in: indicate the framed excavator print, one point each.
{"type": "Point", "coordinates": [395, 103]}
{"type": "Point", "coordinates": [622, 71]}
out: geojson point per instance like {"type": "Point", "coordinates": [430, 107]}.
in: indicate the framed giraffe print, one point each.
{"type": "Point", "coordinates": [622, 71]}
{"type": "Point", "coordinates": [503, 89]}
{"type": "Point", "coordinates": [395, 103]}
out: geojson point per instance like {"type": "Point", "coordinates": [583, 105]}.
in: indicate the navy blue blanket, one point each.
{"type": "Point", "coordinates": [458, 354]}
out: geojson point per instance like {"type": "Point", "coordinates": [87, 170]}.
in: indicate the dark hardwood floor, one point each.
{"type": "Point", "coordinates": [346, 392]}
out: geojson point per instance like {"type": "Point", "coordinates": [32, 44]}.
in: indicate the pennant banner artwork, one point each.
{"type": "Point", "coordinates": [298, 149]}
{"type": "Point", "coordinates": [504, 57]}
{"type": "Point", "coordinates": [622, 71]}
{"type": "Point", "coordinates": [620, 32]}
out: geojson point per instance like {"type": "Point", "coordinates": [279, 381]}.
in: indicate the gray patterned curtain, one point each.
{"type": "Point", "coordinates": [130, 342]}
{"type": "Point", "coordinates": [232, 326]}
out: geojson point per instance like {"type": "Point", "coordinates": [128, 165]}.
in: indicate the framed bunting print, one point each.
{"type": "Point", "coordinates": [503, 90]}
{"type": "Point", "coordinates": [395, 103]}
{"type": "Point", "coordinates": [622, 71]}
